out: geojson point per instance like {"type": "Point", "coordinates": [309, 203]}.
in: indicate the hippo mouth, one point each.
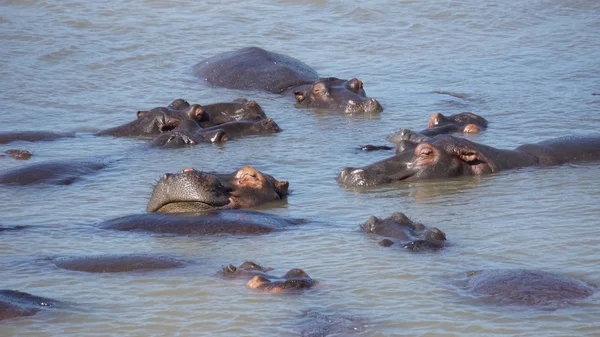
{"type": "Point", "coordinates": [370, 105]}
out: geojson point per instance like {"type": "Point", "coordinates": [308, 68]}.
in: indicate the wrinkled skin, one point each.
{"type": "Point", "coordinates": [293, 281]}
{"type": "Point", "coordinates": [15, 304]}
{"type": "Point", "coordinates": [527, 287]}
{"type": "Point", "coordinates": [337, 95]}
{"type": "Point", "coordinates": [117, 263]}
{"type": "Point", "coordinates": [188, 134]}
{"type": "Point", "coordinates": [154, 122]}
{"type": "Point", "coordinates": [18, 154]}
{"type": "Point", "coordinates": [414, 236]}
{"type": "Point", "coordinates": [242, 222]}
{"type": "Point", "coordinates": [50, 173]}
{"type": "Point", "coordinates": [445, 156]}
{"type": "Point", "coordinates": [317, 324]}
{"type": "Point", "coordinates": [254, 68]}
{"type": "Point", "coordinates": [32, 136]}
{"type": "Point", "coordinates": [193, 191]}
{"type": "Point", "coordinates": [246, 269]}
{"type": "Point", "coordinates": [239, 109]}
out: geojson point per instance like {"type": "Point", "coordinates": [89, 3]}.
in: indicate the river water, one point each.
{"type": "Point", "coordinates": [529, 67]}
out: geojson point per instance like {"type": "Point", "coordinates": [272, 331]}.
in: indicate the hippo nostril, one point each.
{"type": "Point", "coordinates": [351, 102]}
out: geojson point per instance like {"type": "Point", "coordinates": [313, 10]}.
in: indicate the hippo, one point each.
{"type": "Point", "coordinates": [211, 222]}
{"type": "Point", "coordinates": [415, 236]}
{"type": "Point", "coordinates": [254, 68]}
{"type": "Point", "coordinates": [318, 324]}
{"type": "Point", "coordinates": [246, 269]}
{"type": "Point", "coordinates": [33, 136]}
{"type": "Point", "coordinates": [178, 105]}
{"type": "Point", "coordinates": [527, 287]}
{"type": "Point", "coordinates": [117, 263]}
{"type": "Point", "coordinates": [12, 228]}
{"type": "Point", "coordinates": [15, 304]}
{"type": "Point", "coordinates": [293, 281]}
{"type": "Point", "coordinates": [445, 156]}
{"type": "Point", "coordinates": [193, 191]}
{"type": "Point", "coordinates": [50, 173]}
{"type": "Point", "coordinates": [154, 122]}
{"type": "Point", "coordinates": [18, 154]}
{"type": "Point", "coordinates": [239, 109]}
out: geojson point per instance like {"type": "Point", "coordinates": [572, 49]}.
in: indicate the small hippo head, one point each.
{"type": "Point", "coordinates": [390, 226]}
{"type": "Point", "coordinates": [250, 110]}
{"type": "Point", "coordinates": [179, 104]}
{"type": "Point", "coordinates": [191, 190]}
{"type": "Point", "coordinates": [462, 118]}
{"type": "Point", "coordinates": [248, 267]}
{"type": "Point", "coordinates": [268, 125]}
{"type": "Point", "coordinates": [296, 273]}
{"type": "Point", "coordinates": [337, 95]}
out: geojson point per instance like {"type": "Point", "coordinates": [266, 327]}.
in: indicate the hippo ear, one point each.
{"type": "Point", "coordinates": [478, 161]}
{"type": "Point", "coordinates": [141, 114]}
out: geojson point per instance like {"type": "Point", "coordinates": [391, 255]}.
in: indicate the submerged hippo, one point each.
{"type": "Point", "coordinates": [52, 172]}
{"type": "Point", "coordinates": [178, 105]}
{"type": "Point", "coordinates": [527, 287]}
{"type": "Point", "coordinates": [239, 109]}
{"type": "Point", "coordinates": [193, 191]}
{"type": "Point", "coordinates": [254, 68]}
{"type": "Point", "coordinates": [246, 269]}
{"type": "Point", "coordinates": [202, 223]}
{"type": "Point", "coordinates": [18, 154]}
{"type": "Point", "coordinates": [154, 122]}
{"type": "Point", "coordinates": [318, 324]}
{"type": "Point", "coordinates": [414, 236]}
{"type": "Point", "coordinates": [445, 156]}
{"type": "Point", "coordinates": [15, 304]}
{"type": "Point", "coordinates": [12, 228]}
{"type": "Point", "coordinates": [32, 136]}
{"type": "Point", "coordinates": [293, 281]}
{"type": "Point", "coordinates": [117, 263]}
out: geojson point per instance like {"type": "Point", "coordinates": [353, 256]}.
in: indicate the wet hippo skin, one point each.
{"type": "Point", "coordinates": [50, 173]}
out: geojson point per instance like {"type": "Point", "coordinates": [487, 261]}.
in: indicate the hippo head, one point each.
{"type": "Point", "coordinates": [191, 190]}
{"type": "Point", "coordinates": [249, 110]}
{"type": "Point", "coordinates": [442, 156]}
{"type": "Point", "coordinates": [248, 267]}
{"type": "Point", "coordinates": [296, 273]}
{"type": "Point", "coordinates": [396, 226]}
{"type": "Point", "coordinates": [268, 126]}
{"type": "Point", "coordinates": [179, 104]}
{"type": "Point", "coordinates": [193, 112]}
{"type": "Point", "coordinates": [338, 95]}
{"type": "Point", "coordinates": [462, 118]}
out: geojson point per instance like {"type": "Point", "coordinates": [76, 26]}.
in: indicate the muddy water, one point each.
{"type": "Point", "coordinates": [529, 68]}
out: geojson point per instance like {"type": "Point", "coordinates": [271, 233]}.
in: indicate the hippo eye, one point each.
{"type": "Point", "coordinates": [425, 151]}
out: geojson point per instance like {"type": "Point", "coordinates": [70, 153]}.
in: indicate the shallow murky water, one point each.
{"type": "Point", "coordinates": [529, 68]}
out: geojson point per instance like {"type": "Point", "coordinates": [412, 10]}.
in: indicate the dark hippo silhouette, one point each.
{"type": "Point", "coordinates": [293, 281]}
{"type": "Point", "coordinates": [154, 122]}
{"type": "Point", "coordinates": [445, 156]}
{"type": "Point", "coordinates": [12, 228]}
{"type": "Point", "coordinates": [193, 191]}
{"type": "Point", "coordinates": [239, 109]}
{"type": "Point", "coordinates": [204, 223]}
{"type": "Point", "coordinates": [527, 287]}
{"type": "Point", "coordinates": [246, 269]}
{"type": "Point", "coordinates": [189, 133]}
{"type": "Point", "coordinates": [51, 173]}
{"type": "Point", "coordinates": [117, 263]}
{"type": "Point", "coordinates": [254, 68]}
{"type": "Point", "coordinates": [318, 324]}
{"type": "Point", "coordinates": [414, 236]}
{"type": "Point", "coordinates": [32, 136]}
{"type": "Point", "coordinates": [15, 304]}
{"type": "Point", "coordinates": [18, 154]}
{"type": "Point", "coordinates": [178, 105]}
{"type": "Point", "coordinates": [465, 122]}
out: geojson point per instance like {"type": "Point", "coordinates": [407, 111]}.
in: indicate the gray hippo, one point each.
{"type": "Point", "coordinates": [52, 172]}
{"type": "Point", "coordinates": [18, 154]}
{"type": "Point", "coordinates": [193, 191]}
{"type": "Point", "coordinates": [117, 263]}
{"type": "Point", "coordinates": [189, 133]}
{"type": "Point", "coordinates": [215, 222]}
{"type": "Point", "coordinates": [154, 122]}
{"type": "Point", "coordinates": [15, 304]}
{"type": "Point", "coordinates": [414, 236]}
{"type": "Point", "coordinates": [293, 281]}
{"type": "Point", "coordinates": [239, 109]}
{"type": "Point", "coordinates": [12, 228]}
{"type": "Point", "coordinates": [178, 105]}
{"type": "Point", "coordinates": [527, 287]}
{"type": "Point", "coordinates": [254, 68]}
{"type": "Point", "coordinates": [318, 324]}
{"type": "Point", "coordinates": [445, 156]}
{"type": "Point", "coordinates": [33, 136]}
{"type": "Point", "coordinates": [247, 269]}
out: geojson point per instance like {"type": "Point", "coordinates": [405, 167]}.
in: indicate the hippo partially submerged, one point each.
{"type": "Point", "coordinates": [413, 236]}
{"type": "Point", "coordinates": [193, 191]}
{"type": "Point", "coordinates": [239, 109]}
{"type": "Point", "coordinates": [445, 156]}
{"type": "Point", "coordinates": [254, 68]}
{"type": "Point", "coordinates": [117, 263]}
{"type": "Point", "coordinates": [293, 281]}
{"type": "Point", "coordinates": [15, 304]}
{"type": "Point", "coordinates": [32, 136]}
{"type": "Point", "coordinates": [18, 154]}
{"type": "Point", "coordinates": [527, 287]}
{"type": "Point", "coordinates": [247, 269]}
{"type": "Point", "coordinates": [52, 172]}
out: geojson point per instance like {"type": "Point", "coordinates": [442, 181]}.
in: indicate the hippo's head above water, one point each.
{"type": "Point", "coordinates": [191, 190]}
{"type": "Point", "coordinates": [336, 94]}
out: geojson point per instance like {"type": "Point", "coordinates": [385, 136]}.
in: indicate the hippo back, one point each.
{"type": "Point", "coordinates": [562, 150]}
{"type": "Point", "coordinates": [254, 68]}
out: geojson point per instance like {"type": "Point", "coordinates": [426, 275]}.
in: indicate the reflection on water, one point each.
{"type": "Point", "coordinates": [528, 68]}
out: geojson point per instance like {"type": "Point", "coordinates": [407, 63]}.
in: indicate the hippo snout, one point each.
{"type": "Point", "coordinates": [370, 105]}
{"type": "Point", "coordinates": [353, 176]}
